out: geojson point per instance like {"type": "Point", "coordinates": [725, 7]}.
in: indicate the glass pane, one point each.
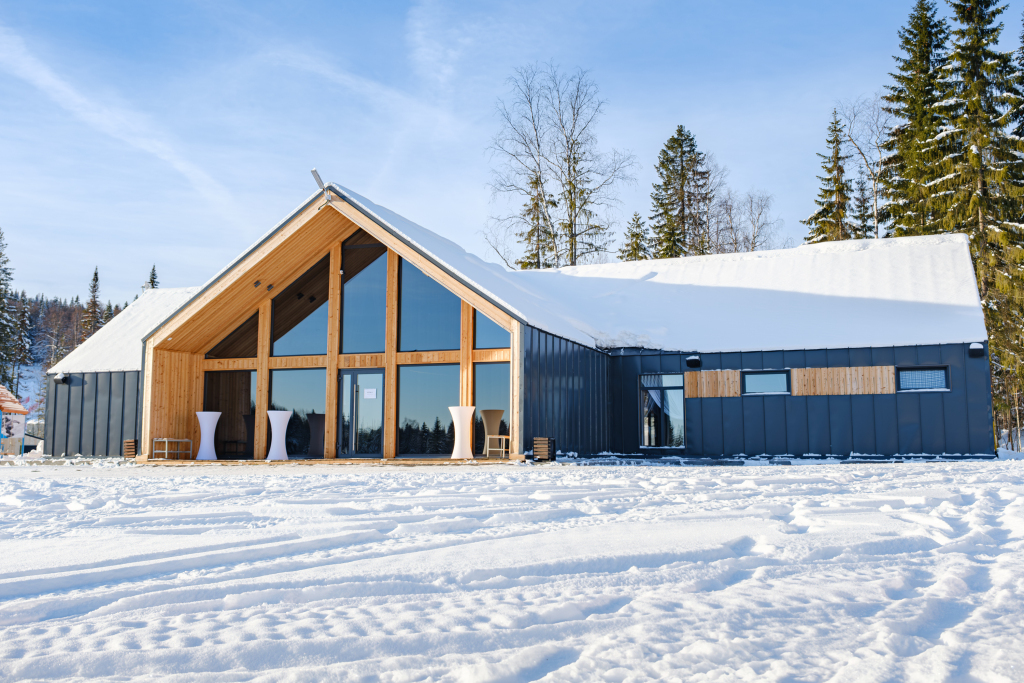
{"type": "Point", "coordinates": [492, 387]}
{"type": "Point", "coordinates": [304, 392]}
{"type": "Point", "coordinates": [364, 300]}
{"type": "Point", "coordinates": [241, 343]}
{"type": "Point", "coordinates": [765, 383]}
{"type": "Point", "coordinates": [657, 381]}
{"type": "Point", "coordinates": [368, 399]}
{"type": "Point", "coordinates": [430, 317]}
{"type": "Point", "coordinates": [424, 394]}
{"type": "Point", "coordinates": [345, 414]}
{"type": "Point", "coordinates": [489, 335]}
{"type": "Point", "coordinates": [662, 418]}
{"type": "Point", "coordinates": [300, 314]}
{"type": "Point", "coordinates": [233, 395]}
{"type": "Point", "coordinates": [922, 379]}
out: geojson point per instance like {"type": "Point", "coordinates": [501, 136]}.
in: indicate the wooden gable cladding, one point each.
{"type": "Point", "coordinates": [230, 301]}
{"type": "Point", "coordinates": [712, 384]}
{"type": "Point", "coordinates": [871, 379]}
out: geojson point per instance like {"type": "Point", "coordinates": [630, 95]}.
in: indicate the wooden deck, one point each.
{"type": "Point", "coordinates": [375, 462]}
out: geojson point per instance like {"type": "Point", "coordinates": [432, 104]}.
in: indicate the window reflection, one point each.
{"type": "Point", "coordinates": [360, 412]}
{"type": "Point", "coordinates": [364, 297]}
{"type": "Point", "coordinates": [492, 387]}
{"type": "Point", "coordinates": [300, 314]}
{"type": "Point", "coordinates": [490, 335]}
{"type": "Point", "coordinates": [304, 392]}
{"type": "Point", "coordinates": [233, 395]}
{"type": "Point", "coordinates": [430, 317]}
{"type": "Point", "coordinates": [241, 343]}
{"type": "Point", "coordinates": [662, 403]}
{"type": "Point", "coordinates": [424, 423]}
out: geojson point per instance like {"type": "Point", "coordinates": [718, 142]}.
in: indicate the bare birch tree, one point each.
{"type": "Point", "coordinates": [549, 158]}
{"type": "Point", "coordinates": [868, 125]}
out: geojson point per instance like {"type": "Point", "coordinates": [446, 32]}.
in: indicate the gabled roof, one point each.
{"type": "Point", "coordinates": [891, 292]}
{"type": "Point", "coordinates": [117, 346]}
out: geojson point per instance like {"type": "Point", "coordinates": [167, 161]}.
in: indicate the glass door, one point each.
{"type": "Point", "coordinates": [360, 413]}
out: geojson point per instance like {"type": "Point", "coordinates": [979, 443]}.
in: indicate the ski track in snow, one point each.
{"type": "Point", "coordinates": [880, 572]}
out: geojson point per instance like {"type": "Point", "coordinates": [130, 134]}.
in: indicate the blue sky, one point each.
{"type": "Point", "coordinates": [177, 133]}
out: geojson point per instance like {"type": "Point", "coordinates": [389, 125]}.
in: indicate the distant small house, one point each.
{"type": "Point", "coordinates": [368, 327]}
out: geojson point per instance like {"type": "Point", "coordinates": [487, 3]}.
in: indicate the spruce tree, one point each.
{"type": "Point", "coordinates": [152, 282]}
{"type": "Point", "coordinates": [829, 222]}
{"type": "Point", "coordinates": [862, 223]}
{"type": "Point", "coordinates": [910, 170]}
{"type": "Point", "coordinates": [92, 319]}
{"type": "Point", "coordinates": [108, 313]}
{"type": "Point", "coordinates": [636, 245]}
{"type": "Point", "coordinates": [682, 171]}
{"type": "Point", "coordinates": [9, 337]}
{"type": "Point", "coordinates": [980, 188]}
{"type": "Point", "coordinates": [538, 235]}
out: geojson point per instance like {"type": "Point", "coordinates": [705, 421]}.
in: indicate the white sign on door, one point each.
{"type": "Point", "coordinates": [369, 393]}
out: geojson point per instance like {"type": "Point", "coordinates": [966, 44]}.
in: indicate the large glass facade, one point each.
{"type": "Point", "coordinates": [492, 391]}
{"type": "Point", "coordinates": [425, 393]}
{"type": "Point", "coordinates": [300, 314]}
{"type": "Point", "coordinates": [233, 395]}
{"type": "Point", "coordinates": [360, 413]}
{"type": "Point", "coordinates": [662, 402]}
{"type": "Point", "coordinates": [241, 343]}
{"type": "Point", "coordinates": [364, 298]}
{"type": "Point", "coordinates": [304, 392]}
{"type": "Point", "coordinates": [430, 317]}
{"type": "Point", "coordinates": [490, 335]}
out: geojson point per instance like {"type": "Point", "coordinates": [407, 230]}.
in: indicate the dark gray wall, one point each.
{"type": "Point", "coordinates": [565, 393]}
{"type": "Point", "coordinates": [92, 414]}
{"type": "Point", "coordinates": [958, 421]}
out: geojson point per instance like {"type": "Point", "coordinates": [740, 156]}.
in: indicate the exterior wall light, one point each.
{"type": "Point", "coordinates": [693, 361]}
{"type": "Point", "coordinates": [976, 350]}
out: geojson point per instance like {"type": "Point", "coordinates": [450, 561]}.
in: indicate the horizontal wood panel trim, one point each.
{"type": "Point", "coordinates": [712, 384]}
{"type": "Point", "coordinates": [286, 362]}
{"type": "Point", "coordinates": [425, 357]}
{"type": "Point", "coordinates": [871, 379]}
{"type": "Point", "coordinates": [361, 360]}
{"type": "Point", "coordinates": [492, 355]}
{"type": "Point", "coordinates": [213, 364]}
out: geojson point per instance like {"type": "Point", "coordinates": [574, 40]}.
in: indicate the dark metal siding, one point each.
{"type": "Point", "coordinates": [566, 394]}
{"type": "Point", "coordinates": [92, 413]}
{"type": "Point", "coordinates": [958, 421]}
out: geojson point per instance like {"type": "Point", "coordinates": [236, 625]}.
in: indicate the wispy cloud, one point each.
{"type": "Point", "coordinates": [439, 38]}
{"type": "Point", "coordinates": [122, 124]}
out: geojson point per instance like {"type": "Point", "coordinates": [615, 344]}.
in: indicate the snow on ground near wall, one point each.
{"type": "Point", "coordinates": [834, 572]}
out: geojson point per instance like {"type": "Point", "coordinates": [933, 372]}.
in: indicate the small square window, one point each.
{"type": "Point", "coordinates": [766, 382]}
{"type": "Point", "coordinates": [931, 379]}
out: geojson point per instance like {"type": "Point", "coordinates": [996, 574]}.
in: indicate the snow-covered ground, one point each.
{"type": "Point", "coordinates": [875, 572]}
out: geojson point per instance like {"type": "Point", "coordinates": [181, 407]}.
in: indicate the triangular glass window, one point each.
{"type": "Point", "coordinates": [300, 314]}
{"type": "Point", "coordinates": [241, 343]}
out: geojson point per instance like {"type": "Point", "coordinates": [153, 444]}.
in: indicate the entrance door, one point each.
{"type": "Point", "coordinates": [360, 413]}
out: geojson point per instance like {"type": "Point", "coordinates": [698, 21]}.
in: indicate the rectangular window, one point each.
{"type": "Point", "coordinates": [304, 392]}
{"type": "Point", "coordinates": [766, 382]}
{"type": "Point", "coordinates": [425, 392]}
{"type": "Point", "coordinates": [299, 322]}
{"type": "Point", "coordinates": [930, 379]}
{"type": "Point", "coordinates": [232, 393]}
{"type": "Point", "coordinates": [492, 388]}
{"type": "Point", "coordinates": [662, 417]}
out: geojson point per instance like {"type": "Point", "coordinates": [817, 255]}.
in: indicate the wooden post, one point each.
{"type": "Point", "coordinates": [391, 359]}
{"type": "Point", "coordinates": [262, 382]}
{"type": "Point", "coordinates": [333, 349]}
{"type": "Point", "coordinates": [466, 336]}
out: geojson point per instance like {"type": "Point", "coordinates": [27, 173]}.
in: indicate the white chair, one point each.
{"type": "Point", "coordinates": [492, 427]}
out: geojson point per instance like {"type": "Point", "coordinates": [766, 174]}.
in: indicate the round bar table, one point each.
{"type": "Point", "coordinates": [278, 428]}
{"type": "Point", "coordinates": [462, 417]}
{"type": "Point", "coordinates": [207, 428]}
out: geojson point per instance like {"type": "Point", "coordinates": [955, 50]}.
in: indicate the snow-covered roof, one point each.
{"type": "Point", "coordinates": [117, 346]}
{"type": "Point", "coordinates": [891, 292]}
